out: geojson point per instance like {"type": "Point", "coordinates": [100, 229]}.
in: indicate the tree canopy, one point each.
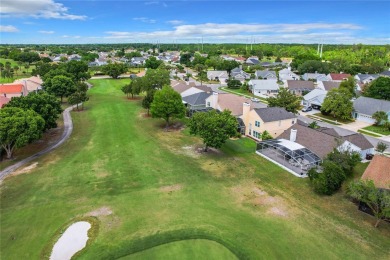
{"type": "Point", "coordinates": [311, 66]}
{"type": "Point", "coordinates": [133, 88]}
{"type": "Point", "coordinates": [114, 70]}
{"type": "Point", "coordinates": [378, 88]}
{"type": "Point", "coordinates": [350, 85]}
{"type": "Point", "coordinates": [18, 127]}
{"type": "Point", "coordinates": [60, 86]}
{"type": "Point", "coordinates": [46, 105]}
{"type": "Point", "coordinates": [213, 127]}
{"type": "Point", "coordinates": [155, 79]}
{"type": "Point", "coordinates": [153, 63]}
{"type": "Point", "coordinates": [338, 103]}
{"type": "Point", "coordinates": [167, 104]}
{"type": "Point", "coordinates": [285, 99]}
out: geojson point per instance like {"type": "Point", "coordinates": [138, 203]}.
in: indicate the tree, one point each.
{"type": "Point", "coordinates": [148, 99]}
{"type": "Point", "coordinates": [46, 105]}
{"type": "Point", "coordinates": [338, 103]}
{"type": "Point", "coordinates": [350, 85]}
{"type": "Point", "coordinates": [114, 70]}
{"type": "Point", "coordinates": [285, 99]}
{"type": "Point", "coordinates": [378, 200]}
{"type": "Point", "coordinates": [378, 88]}
{"type": "Point", "coordinates": [329, 179]}
{"type": "Point", "coordinates": [153, 63]}
{"type": "Point", "coordinates": [16, 69]}
{"type": "Point", "coordinates": [19, 127]}
{"type": "Point", "coordinates": [202, 76]}
{"type": "Point", "coordinates": [213, 62]}
{"type": "Point", "coordinates": [167, 104]}
{"type": "Point", "coordinates": [312, 66]}
{"type": "Point", "coordinates": [313, 125]}
{"type": "Point", "coordinates": [381, 147]}
{"type": "Point", "coordinates": [213, 127]}
{"type": "Point", "coordinates": [155, 79]}
{"type": "Point", "coordinates": [78, 70]}
{"type": "Point", "coordinates": [133, 88]}
{"type": "Point", "coordinates": [266, 136]}
{"type": "Point", "coordinates": [60, 86]}
{"type": "Point", "coordinates": [228, 65]}
{"type": "Point", "coordinates": [80, 96]}
{"type": "Point", "coordinates": [380, 117]}
{"type": "Point", "coordinates": [233, 83]}
{"type": "Point", "coordinates": [345, 158]}
{"type": "Point", "coordinates": [185, 59]}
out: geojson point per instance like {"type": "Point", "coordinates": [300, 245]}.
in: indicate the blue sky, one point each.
{"type": "Point", "coordinates": [99, 21]}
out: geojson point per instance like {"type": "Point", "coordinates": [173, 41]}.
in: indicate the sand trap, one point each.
{"type": "Point", "coordinates": [72, 240]}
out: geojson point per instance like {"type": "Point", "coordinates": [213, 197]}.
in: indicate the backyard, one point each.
{"type": "Point", "coordinates": [155, 197]}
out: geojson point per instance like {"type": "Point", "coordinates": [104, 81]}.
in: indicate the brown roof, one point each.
{"type": "Point", "coordinates": [316, 141]}
{"type": "Point", "coordinates": [339, 76]}
{"type": "Point", "coordinates": [11, 88]}
{"type": "Point", "coordinates": [359, 140]}
{"type": "Point", "coordinates": [328, 85]}
{"type": "Point", "coordinates": [232, 102]}
{"type": "Point", "coordinates": [3, 101]}
{"type": "Point", "coordinates": [204, 88]}
{"type": "Point", "coordinates": [180, 86]}
{"type": "Point", "coordinates": [378, 171]}
{"type": "Point", "coordinates": [300, 84]}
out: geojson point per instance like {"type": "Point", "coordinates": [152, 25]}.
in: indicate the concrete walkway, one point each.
{"type": "Point", "coordinates": [68, 128]}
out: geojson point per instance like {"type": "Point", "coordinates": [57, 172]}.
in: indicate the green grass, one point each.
{"type": "Point", "coordinates": [21, 73]}
{"type": "Point", "coordinates": [331, 118]}
{"type": "Point", "coordinates": [243, 92]}
{"type": "Point", "coordinates": [323, 120]}
{"type": "Point", "coordinates": [369, 133]}
{"type": "Point", "coordinates": [160, 190]}
{"type": "Point", "coordinates": [186, 249]}
{"type": "Point", "coordinates": [377, 129]}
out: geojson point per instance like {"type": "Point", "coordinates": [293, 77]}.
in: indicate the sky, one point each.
{"type": "Point", "coordinates": [186, 21]}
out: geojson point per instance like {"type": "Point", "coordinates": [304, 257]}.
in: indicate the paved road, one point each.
{"type": "Point", "coordinates": [68, 128]}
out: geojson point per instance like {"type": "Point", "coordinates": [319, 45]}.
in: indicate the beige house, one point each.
{"type": "Point", "coordinates": [274, 120]}
{"type": "Point", "coordinates": [231, 102]}
{"type": "Point", "coordinates": [32, 84]}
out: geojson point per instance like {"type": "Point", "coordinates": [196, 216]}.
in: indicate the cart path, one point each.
{"type": "Point", "coordinates": [68, 128]}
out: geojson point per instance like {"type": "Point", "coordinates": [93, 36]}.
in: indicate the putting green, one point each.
{"type": "Point", "coordinates": [186, 249]}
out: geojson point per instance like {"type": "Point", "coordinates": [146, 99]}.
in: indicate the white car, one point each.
{"type": "Point", "coordinates": [255, 100]}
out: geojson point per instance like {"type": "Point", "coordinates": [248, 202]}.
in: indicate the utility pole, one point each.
{"type": "Point", "coordinates": [202, 44]}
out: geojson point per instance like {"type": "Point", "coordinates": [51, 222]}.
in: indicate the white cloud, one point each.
{"type": "Point", "coordinates": [175, 22]}
{"type": "Point", "coordinates": [46, 32]}
{"type": "Point", "coordinates": [151, 3]}
{"type": "Point", "coordinates": [37, 8]}
{"type": "Point", "coordinates": [8, 28]}
{"type": "Point", "coordinates": [144, 20]}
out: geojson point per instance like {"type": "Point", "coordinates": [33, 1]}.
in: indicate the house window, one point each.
{"type": "Point", "coordinates": [257, 123]}
{"type": "Point", "coordinates": [208, 104]}
{"type": "Point", "coordinates": [256, 134]}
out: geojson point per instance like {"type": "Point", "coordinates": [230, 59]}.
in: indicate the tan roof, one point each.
{"type": "Point", "coordinates": [232, 102]}
{"type": "Point", "coordinates": [328, 85]}
{"type": "Point", "coordinates": [378, 171]}
{"type": "Point", "coordinates": [300, 84]}
{"type": "Point", "coordinates": [204, 88]}
{"type": "Point", "coordinates": [181, 86]}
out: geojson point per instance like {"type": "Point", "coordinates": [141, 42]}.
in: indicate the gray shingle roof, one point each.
{"type": "Point", "coordinates": [300, 84]}
{"type": "Point", "coordinates": [369, 106]}
{"type": "Point", "coordinates": [270, 114]}
{"type": "Point", "coordinates": [196, 99]}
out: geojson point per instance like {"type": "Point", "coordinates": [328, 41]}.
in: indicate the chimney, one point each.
{"type": "Point", "coordinates": [215, 100]}
{"type": "Point", "coordinates": [240, 66]}
{"type": "Point", "coordinates": [246, 107]}
{"type": "Point", "coordinates": [293, 135]}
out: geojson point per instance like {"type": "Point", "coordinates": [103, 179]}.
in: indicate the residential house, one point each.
{"type": "Point", "coordinates": [323, 140]}
{"type": "Point", "coordinates": [299, 87]}
{"type": "Point", "coordinates": [75, 57]}
{"type": "Point", "coordinates": [266, 74]}
{"type": "Point", "coordinates": [13, 90]}
{"type": "Point", "coordinates": [274, 120]}
{"type": "Point", "coordinates": [252, 61]}
{"type": "Point", "coordinates": [314, 98]}
{"type": "Point", "coordinates": [328, 85]}
{"type": "Point", "coordinates": [239, 74]}
{"type": "Point", "coordinates": [231, 102]}
{"type": "Point", "coordinates": [31, 84]}
{"type": "Point", "coordinates": [267, 64]}
{"type": "Point", "coordinates": [138, 61]}
{"type": "Point", "coordinates": [315, 77]}
{"type": "Point", "coordinates": [287, 74]}
{"type": "Point", "coordinates": [196, 102]}
{"type": "Point", "coordinates": [339, 77]}
{"type": "Point", "coordinates": [365, 78]}
{"type": "Point", "coordinates": [263, 87]}
{"type": "Point", "coordinates": [218, 75]}
{"type": "Point", "coordinates": [378, 171]}
{"type": "Point", "coordinates": [188, 88]}
{"type": "Point", "coordinates": [365, 107]}
{"type": "Point", "coordinates": [385, 73]}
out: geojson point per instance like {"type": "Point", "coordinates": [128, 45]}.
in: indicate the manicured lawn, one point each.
{"type": "Point", "coordinates": [377, 129]}
{"type": "Point", "coordinates": [244, 92]}
{"type": "Point", "coordinates": [152, 188]}
{"type": "Point", "coordinates": [329, 117]}
{"type": "Point", "coordinates": [21, 73]}
{"type": "Point", "coordinates": [368, 133]}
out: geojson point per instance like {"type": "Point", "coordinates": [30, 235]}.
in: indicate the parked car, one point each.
{"type": "Point", "coordinates": [255, 100]}
{"type": "Point", "coordinates": [307, 109]}
{"type": "Point", "coordinates": [369, 156]}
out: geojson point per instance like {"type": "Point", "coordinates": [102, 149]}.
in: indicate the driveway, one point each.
{"type": "Point", "coordinates": [355, 126]}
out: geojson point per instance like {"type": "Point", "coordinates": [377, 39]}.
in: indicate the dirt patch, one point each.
{"type": "Point", "coordinates": [278, 212]}
{"type": "Point", "coordinates": [26, 169]}
{"type": "Point", "coordinates": [103, 211]}
{"type": "Point", "coordinates": [99, 168]}
{"type": "Point", "coordinates": [171, 188]}
{"type": "Point", "coordinates": [133, 98]}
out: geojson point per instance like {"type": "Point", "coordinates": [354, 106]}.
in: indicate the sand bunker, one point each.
{"type": "Point", "coordinates": [72, 240]}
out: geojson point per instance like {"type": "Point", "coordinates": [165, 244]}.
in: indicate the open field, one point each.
{"type": "Point", "coordinates": [21, 73]}
{"type": "Point", "coordinates": [149, 188]}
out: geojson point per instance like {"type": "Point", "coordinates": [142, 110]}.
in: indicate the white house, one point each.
{"type": "Point", "coordinates": [365, 78]}
{"type": "Point", "coordinates": [286, 74]}
{"type": "Point", "coordinates": [365, 107]}
{"type": "Point", "coordinates": [218, 75]}
{"type": "Point", "coordinates": [239, 74]}
{"type": "Point", "coordinates": [266, 74]}
{"type": "Point", "coordinates": [314, 98]}
{"type": "Point", "coordinates": [315, 76]}
{"type": "Point", "coordinates": [263, 87]}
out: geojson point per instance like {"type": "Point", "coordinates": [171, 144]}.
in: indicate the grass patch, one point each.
{"type": "Point", "coordinates": [323, 120]}
{"type": "Point", "coordinates": [241, 92]}
{"type": "Point", "coordinates": [331, 118]}
{"type": "Point", "coordinates": [377, 129]}
{"type": "Point", "coordinates": [160, 190]}
{"type": "Point", "coordinates": [369, 133]}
